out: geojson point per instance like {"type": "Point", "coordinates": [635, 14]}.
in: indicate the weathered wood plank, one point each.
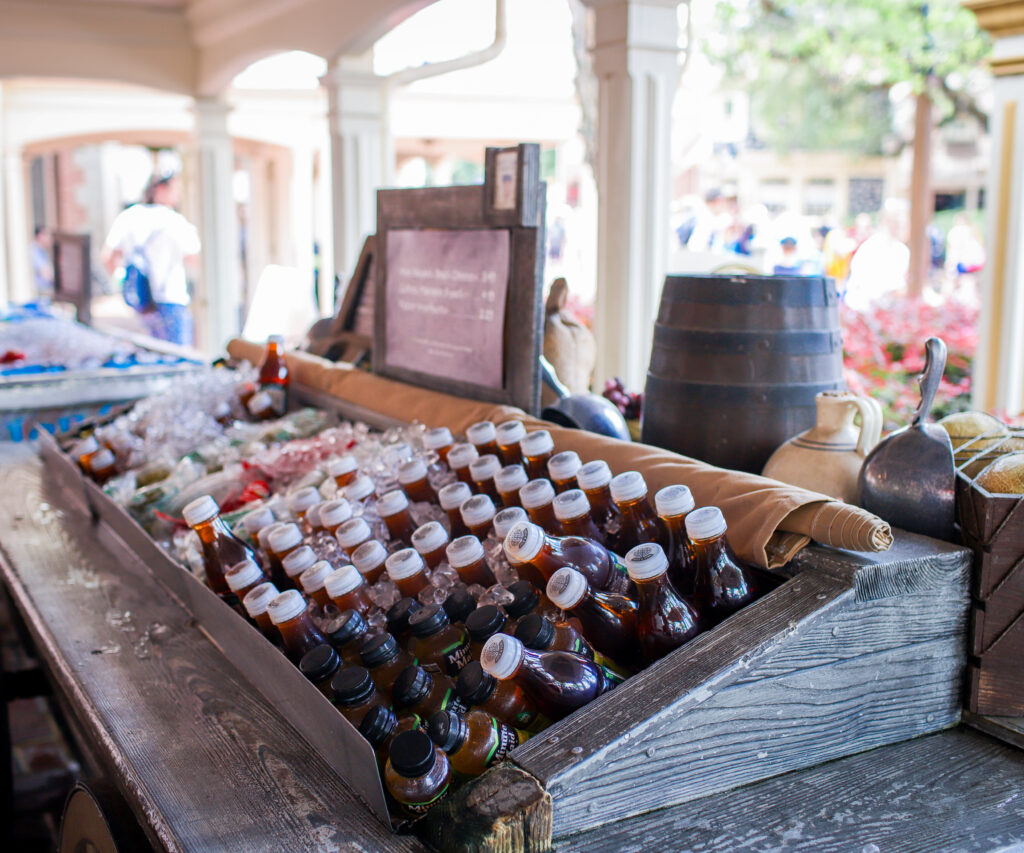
{"type": "Point", "coordinates": [202, 758]}
{"type": "Point", "coordinates": [953, 791]}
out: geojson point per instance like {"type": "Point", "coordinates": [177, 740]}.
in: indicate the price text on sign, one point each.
{"type": "Point", "coordinates": [446, 303]}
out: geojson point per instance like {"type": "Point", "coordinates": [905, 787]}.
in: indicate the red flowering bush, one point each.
{"type": "Point", "coordinates": [883, 353]}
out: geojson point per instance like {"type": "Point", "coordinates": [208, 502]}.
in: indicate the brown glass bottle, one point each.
{"type": "Point", "coordinates": [508, 481]}
{"type": "Point", "coordinates": [408, 571]}
{"type": "Point", "coordinates": [346, 633]}
{"type": "Point", "coordinates": [343, 469]}
{"type": "Point", "coordinates": [424, 693]}
{"type": "Point", "coordinates": [537, 498]}
{"type": "Point", "coordinates": [440, 441]}
{"type": "Point", "coordinates": [385, 660]}
{"type": "Point", "coordinates": [482, 624]}
{"type": "Point", "coordinates": [526, 599]}
{"type": "Point", "coordinates": [436, 644]}
{"type": "Point", "coordinates": [572, 509]}
{"type": "Point", "coordinates": [369, 559]}
{"type": "Point", "coordinates": [473, 741]}
{"type": "Point", "coordinates": [221, 548]}
{"type": "Point", "coordinates": [430, 540]}
{"type": "Point", "coordinates": [85, 449]}
{"type": "Point", "coordinates": [482, 471]}
{"type": "Point", "coordinates": [102, 465]}
{"type": "Point", "coordinates": [666, 620]}
{"type": "Point", "coordinates": [270, 560]}
{"type": "Point", "coordinates": [320, 664]}
{"type": "Point", "coordinates": [256, 602]}
{"type": "Point", "coordinates": [274, 375]}
{"type": "Point", "coordinates": [595, 480]}
{"type": "Point", "coordinates": [673, 504]}
{"type": "Point", "coordinates": [563, 468]}
{"type": "Point", "coordinates": [243, 577]}
{"type": "Point", "coordinates": [558, 683]}
{"type": "Point", "coordinates": [544, 635]}
{"type": "Point", "coordinates": [347, 589]}
{"type": "Point", "coordinates": [398, 618]}
{"type": "Point", "coordinates": [505, 700]}
{"type": "Point", "coordinates": [509, 434]}
{"type": "Point", "coordinates": [639, 521]}
{"type": "Point", "coordinates": [478, 515]}
{"type": "Point", "coordinates": [528, 543]}
{"type": "Point", "coordinates": [459, 458]}
{"type": "Point", "coordinates": [451, 498]}
{"type": "Point", "coordinates": [288, 613]}
{"type": "Point", "coordinates": [466, 555]}
{"type": "Point", "coordinates": [412, 478]}
{"type": "Point", "coordinates": [537, 448]}
{"type": "Point", "coordinates": [484, 437]}
{"type": "Point", "coordinates": [609, 621]}
{"type": "Point", "coordinates": [380, 726]}
{"type": "Point", "coordinates": [722, 584]}
{"type": "Point", "coordinates": [352, 534]}
{"type": "Point", "coordinates": [393, 507]}
{"type": "Point", "coordinates": [417, 774]}
{"type": "Point", "coordinates": [312, 582]}
{"type": "Point", "coordinates": [282, 541]}
{"type": "Point", "coordinates": [354, 693]}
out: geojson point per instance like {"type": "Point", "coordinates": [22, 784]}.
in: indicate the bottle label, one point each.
{"type": "Point", "coordinates": [451, 702]}
{"type": "Point", "coordinates": [506, 739]}
{"type": "Point", "coordinates": [278, 397]}
{"type": "Point", "coordinates": [456, 656]}
{"type": "Point", "coordinates": [613, 678]}
{"type": "Point", "coordinates": [424, 807]}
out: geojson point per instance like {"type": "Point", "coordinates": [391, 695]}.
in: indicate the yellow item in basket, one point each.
{"type": "Point", "coordinates": [1005, 476]}
{"type": "Point", "coordinates": [964, 426]}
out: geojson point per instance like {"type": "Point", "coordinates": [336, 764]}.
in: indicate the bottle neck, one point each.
{"type": "Point", "coordinates": [675, 524]}
{"type": "Point", "coordinates": [208, 531]}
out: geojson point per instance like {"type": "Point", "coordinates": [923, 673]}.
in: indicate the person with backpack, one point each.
{"type": "Point", "coordinates": [153, 242]}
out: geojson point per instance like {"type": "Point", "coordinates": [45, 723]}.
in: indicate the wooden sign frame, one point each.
{"type": "Point", "coordinates": [465, 208]}
{"type": "Point", "coordinates": [336, 339]}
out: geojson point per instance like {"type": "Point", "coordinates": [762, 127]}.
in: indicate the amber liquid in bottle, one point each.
{"type": "Point", "coordinates": [385, 660]}
{"type": "Point", "coordinates": [505, 700]}
{"type": "Point", "coordinates": [562, 469]}
{"type": "Point", "coordinates": [459, 459]}
{"type": "Point", "coordinates": [484, 437]}
{"type": "Point", "coordinates": [537, 498]}
{"type": "Point", "coordinates": [609, 621]}
{"type": "Point", "coordinates": [424, 693]}
{"type": "Point", "coordinates": [370, 558]}
{"type": "Point", "coordinates": [572, 509]}
{"type": "Point", "coordinates": [537, 448]}
{"type": "Point", "coordinates": [400, 526]}
{"type": "Point", "coordinates": [552, 553]}
{"type": "Point", "coordinates": [723, 584]}
{"type": "Point", "coordinates": [507, 482]}
{"type": "Point", "coordinates": [274, 376]}
{"type": "Point", "coordinates": [679, 550]}
{"type": "Point", "coordinates": [639, 521]}
{"type": "Point", "coordinates": [666, 620]}
{"type": "Point", "coordinates": [408, 571]}
{"type": "Point", "coordinates": [472, 741]}
{"type": "Point", "coordinates": [221, 550]}
{"type": "Point", "coordinates": [412, 477]}
{"type": "Point", "coordinates": [355, 693]}
{"type": "Point", "coordinates": [438, 645]}
{"type": "Point", "coordinates": [300, 635]}
{"type": "Point", "coordinates": [544, 635]}
{"type": "Point", "coordinates": [509, 434]}
{"type": "Point", "coordinates": [430, 541]}
{"type": "Point", "coordinates": [466, 555]}
{"type": "Point", "coordinates": [451, 498]}
{"type": "Point", "coordinates": [594, 479]}
{"type": "Point", "coordinates": [347, 589]}
{"type": "Point", "coordinates": [482, 471]}
{"type": "Point", "coordinates": [417, 774]}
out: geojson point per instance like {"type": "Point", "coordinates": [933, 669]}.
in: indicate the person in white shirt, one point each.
{"type": "Point", "coordinates": [167, 241]}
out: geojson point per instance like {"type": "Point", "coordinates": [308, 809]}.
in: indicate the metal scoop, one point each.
{"type": "Point", "coordinates": [581, 411]}
{"type": "Point", "coordinates": [908, 478]}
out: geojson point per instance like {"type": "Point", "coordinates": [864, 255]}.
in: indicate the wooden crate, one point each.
{"type": "Point", "coordinates": [993, 527]}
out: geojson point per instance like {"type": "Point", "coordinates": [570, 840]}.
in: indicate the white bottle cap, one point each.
{"type": "Point", "coordinates": [628, 486]}
{"type": "Point", "coordinates": [313, 516]}
{"type": "Point", "coordinates": [481, 433]}
{"type": "Point", "coordinates": [505, 520]}
{"type": "Point", "coordinates": [404, 564]}
{"type": "Point", "coordinates": [537, 443]}
{"type": "Point", "coordinates": [353, 532]}
{"type": "Point", "coordinates": [335, 513]}
{"type": "Point", "coordinates": [313, 578]}
{"type": "Point", "coordinates": [257, 599]}
{"type": "Point", "coordinates": [705, 523]}
{"type": "Point", "coordinates": [242, 574]}
{"type": "Point", "coordinates": [285, 537]}
{"type": "Point", "coordinates": [276, 339]}
{"type": "Point", "coordinates": [524, 541]}
{"type": "Point", "coordinates": [484, 468]}
{"type": "Point", "coordinates": [501, 656]}
{"type": "Point", "coordinates": [341, 465]}
{"type": "Point", "coordinates": [571, 504]}
{"type": "Point", "coordinates": [435, 439]}
{"type": "Point", "coordinates": [429, 537]}
{"type": "Point", "coordinates": [287, 605]}
{"type": "Point", "coordinates": [263, 537]}
{"type": "Point", "coordinates": [511, 478]}
{"type": "Point", "coordinates": [392, 503]}
{"type": "Point", "coordinates": [411, 472]}
{"type": "Point", "coordinates": [564, 465]}
{"type": "Point", "coordinates": [343, 580]}
{"type": "Point", "coordinates": [536, 493]}
{"type": "Point", "coordinates": [303, 499]}
{"type": "Point", "coordinates": [461, 455]}
{"type": "Point", "coordinates": [102, 458]}
{"type": "Point", "coordinates": [478, 510]}
{"type": "Point", "coordinates": [464, 551]}
{"type": "Point", "coordinates": [566, 588]}
{"type": "Point", "coordinates": [594, 475]}
{"type": "Point", "coordinates": [360, 488]}
{"type": "Point", "coordinates": [256, 520]}
{"type": "Point", "coordinates": [646, 561]}
{"type": "Point", "coordinates": [197, 511]}
{"type": "Point", "coordinates": [673, 500]}
{"type": "Point", "coordinates": [260, 402]}
{"type": "Point", "coordinates": [510, 432]}
{"type": "Point", "coordinates": [87, 445]}
{"type": "Point", "coordinates": [454, 495]}
{"type": "Point", "coordinates": [298, 561]}
{"type": "Point", "coordinates": [369, 556]}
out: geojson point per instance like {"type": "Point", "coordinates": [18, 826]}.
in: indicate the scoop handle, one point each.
{"type": "Point", "coordinates": [934, 365]}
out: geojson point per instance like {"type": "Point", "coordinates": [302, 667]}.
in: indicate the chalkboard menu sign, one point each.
{"type": "Point", "coordinates": [459, 274]}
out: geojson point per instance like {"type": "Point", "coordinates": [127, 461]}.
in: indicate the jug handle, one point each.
{"type": "Point", "coordinates": [870, 423]}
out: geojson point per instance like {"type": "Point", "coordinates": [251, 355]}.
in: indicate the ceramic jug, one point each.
{"type": "Point", "coordinates": [827, 457]}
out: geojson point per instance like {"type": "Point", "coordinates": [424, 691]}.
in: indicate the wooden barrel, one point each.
{"type": "Point", "coordinates": [737, 362]}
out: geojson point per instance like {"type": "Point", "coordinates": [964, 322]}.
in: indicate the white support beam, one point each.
{"type": "Point", "coordinates": [636, 58]}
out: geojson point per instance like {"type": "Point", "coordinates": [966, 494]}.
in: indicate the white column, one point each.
{"type": "Point", "coordinates": [20, 285]}
{"type": "Point", "coordinates": [636, 59]}
{"type": "Point", "coordinates": [4, 282]}
{"type": "Point", "coordinates": [325, 225]}
{"type": "Point", "coordinates": [361, 152]}
{"type": "Point", "coordinates": [301, 217]}
{"type": "Point", "coordinates": [217, 308]}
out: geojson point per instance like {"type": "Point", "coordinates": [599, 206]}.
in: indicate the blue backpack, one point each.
{"type": "Point", "coordinates": [136, 288]}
